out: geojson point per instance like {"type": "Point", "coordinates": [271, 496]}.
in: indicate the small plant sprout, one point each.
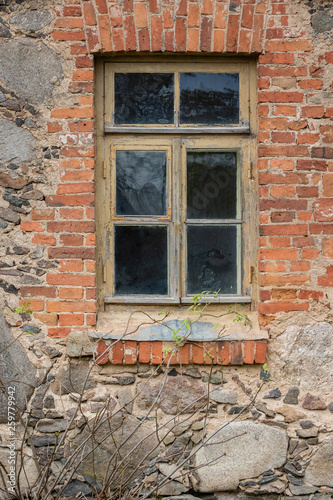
{"type": "Point", "coordinates": [24, 308]}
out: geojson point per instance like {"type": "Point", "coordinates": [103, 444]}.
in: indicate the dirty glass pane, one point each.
{"type": "Point", "coordinates": [141, 260]}
{"type": "Point", "coordinates": [212, 259]}
{"type": "Point", "coordinates": [211, 185]}
{"type": "Point", "coordinates": [209, 98]}
{"type": "Point", "coordinates": [141, 182]}
{"type": "Point", "coordinates": [144, 98]}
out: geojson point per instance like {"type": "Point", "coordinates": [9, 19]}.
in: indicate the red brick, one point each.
{"type": "Point", "coordinates": [71, 239]}
{"type": "Point", "coordinates": [70, 293]}
{"type": "Point", "coordinates": [247, 16]}
{"type": "Point", "coordinates": [129, 31]}
{"type": "Point", "coordinates": [89, 14]}
{"type": "Point", "coordinates": [47, 319]}
{"type": "Point", "coordinates": [38, 291]}
{"type": "Point", "coordinates": [207, 7]}
{"type": "Point", "coordinates": [288, 151]}
{"type": "Point", "coordinates": [282, 191]}
{"type": "Point", "coordinates": [232, 33]}
{"type": "Point", "coordinates": [209, 353]}
{"type": "Point", "coordinates": [72, 11]}
{"type": "Point", "coordinates": [117, 353]}
{"type": "Point", "coordinates": [184, 354]}
{"type": "Point", "coordinates": [272, 253]}
{"type": "Point", "coordinates": [271, 267]}
{"type": "Point", "coordinates": [257, 34]}
{"type": "Point", "coordinates": [310, 295]}
{"type": "Point", "coordinates": [105, 33]}
{"type": "Point", "coordinates": [320, 165]}
{"type": "Point", "coordinates": [307, 191]}
{"type": "Point", "coordinates": [71, 227]}
{"type": "Point", "coordinates": [280, 242]}
{"type": "Point", "coordinates": [304, 242]}
{"type": "Point", "coordinates": [261, 349]}
{"type": "Point", "coordinates": [236, 354]}
{"type": "Point", "coordinates": [322, 153]}
{"type": "Point", "coordinates": [53, 127]}
{"type": "Point", "coordinates": [244, 41]}
{"type": "Point", "coordinates": [218, 42]}
{"type": "Point", "coordinates": [284, 230]}
{"type": "Point", "coordinates": [156, 33]}
{"type": "Point", "coordinates": [102, 353]}
{"type": "Point", "coordinates": [31, 226]}
{"type": "Point", "coordinates": [180, 34]}
{"type": "Point", "coordinates": [70, 23]}
{"type": "Point", "coordinates": [71, 253]}
{"type": "Point", "coordinates": [71, 213]}
{"type": "Point", "coordinates": [59, 332]}
{"type": "Point", "coordinates": [64, 36]}
{"type": "Point", "coordinates": [283, 137]}
{"type": "Point", "coordinates": [70, 280]}
{"type": "Point", "coordinates": [71, 319]}
{"type": "Point", "coordinates": [182, 8]}
{"type": "Point", "coordinates": [192, 40]}
{"type": "Point", "coordinates": [300, 266]}
{"type": "Point", "coordinates": [101, 6]}
{"type": "Point", "coordinates": [286, 58]}
{"type": "Point", "coordinates": [283, 204]}
{"type": "Point", "coordinates": [43, 239]}
{"type": "Point", "coordinates": [197, 353]}
{"type": "Point", "coordinates": [130, 352]}
{"type": "Point", "coordinates": [288, 45]}
{"type": "Point", "coordinates": [249, 352]}
{"type": "Point", "coordinates": [118, 39]}
{"type": "Point", "coordinates": [70, 306]}
{"type": "Point", "coordinates": [156, 352]}
{"type": "Point", "coordinates": [194, 16]}
{"type": "Point", "coordinates": [280, 97]}
{"type": "Point", "coordinates": [323, 210]}
{"type": "Point", "coordinates": [144, 41]}
{"type": "Point", "coordinates": [141, 20]}
{"type": "Point", "coordinates": [144, 352]}
{"type": "Point", "coordinates": [264, 295]}
{"type": "Point", "coordinates": [70, 200]}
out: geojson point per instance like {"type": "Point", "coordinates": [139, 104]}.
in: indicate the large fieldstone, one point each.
{"type": "Point", "coordinates": [320, 470]}
{"type": "Point", "coordinates": [304, 356]}
{"type": "Point", "coordinates": [17, 144]}
{"type": "Point", "coordinates": [29, 473]}
{"type": "Point", "coordinates": [16, 370]}
{"type": "Point", "coordinates": [179, 394]}
{"type": "Point", "coordinates": [257, 448]}
{"type": "Point", "coordinates": [74, 377]}
{"type": "Point", "coordinates": [101, 446]}
{"type": "Point", "coordinates": [32, 20]}
{"type": "Point", "coordinates": [37, 68]}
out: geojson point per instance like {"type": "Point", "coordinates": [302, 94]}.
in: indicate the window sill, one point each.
{"type": "Point", "coordinates": [135, 299]}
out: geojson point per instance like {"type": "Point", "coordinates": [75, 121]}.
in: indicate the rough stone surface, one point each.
{"type": "Point", "coordinates": [73, 378]}
{"type": "Point", "coordinates": [29, 473]}
{"type": "Point", "coordinates": [36, 67]}
{"type": "Point", "coordinates": [304, 355]}
{"type": "Point", "coordinates": [122, 426]}
{"type": "Point", "coordinates": [15, 370]}
{"type": "Point", "coordinates": [307, 433]}
{"type": "Point", "coordinates": [51, 425]}
{"type": "Point", "coordinates": [223, 397]}
{"type": "Point", "coordinates": [290, 414]}
{"type": "Point", "coordinates": [322, 22]}
{"type": "Point", "coordinates": [32, 20]}
{"type": "Point", "coordinates": [312, 402]}
{"type": "Point", "coordinates": [172, 488]}
{"type": "Point", "coordinates": [76, 487]}
{"type": "Point", "coordinates": [273, 394]}
{"type": "Point", "coordinates": [79, 344]}
{"type": "Point", "coordinates": [178, 394]}
{"type": "Point", "coordinates": [17, 144]}
{"type": "Point", "coordinates": [292, 396]}
{"type": "Point", "coordinates": [320, 469]}
{"type": "Point", "coordinates": [258, 448]}
{"type": "Point", "coordinates": [125, 398]}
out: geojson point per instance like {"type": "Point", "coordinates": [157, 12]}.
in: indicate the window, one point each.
{"type": "Point", "coordinates": [176, 201]}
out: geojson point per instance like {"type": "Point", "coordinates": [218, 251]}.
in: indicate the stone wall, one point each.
{"type": "Point", "coordinates": [284, 434]}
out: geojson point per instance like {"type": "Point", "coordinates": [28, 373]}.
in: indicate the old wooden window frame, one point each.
{"type": "Point", "coordinates": [176, 140]}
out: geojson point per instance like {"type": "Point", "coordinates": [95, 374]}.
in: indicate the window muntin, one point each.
{"type": "Point", "coordinates": [230, 218]}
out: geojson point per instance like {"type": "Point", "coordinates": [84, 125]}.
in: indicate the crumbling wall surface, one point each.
{"type": "Point", "coordinates": [281, 441]}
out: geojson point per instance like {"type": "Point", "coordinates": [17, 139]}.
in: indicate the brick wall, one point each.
{"type": "Point", "coordinates": [295, 167]}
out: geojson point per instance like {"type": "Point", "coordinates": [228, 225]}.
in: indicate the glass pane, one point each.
{"type": "Point", "coordinates": [143, 98]}
{"type": "Point", "coordinates": [212, 259]}
{"type": "Point", "coordinates": [141, 260]}
{"type": "Point", "coordinates": [141, 182]}
{"type": "Point", "coordinates": [209, 98]}
{"type": "Point", "coordinates": [211, 185]}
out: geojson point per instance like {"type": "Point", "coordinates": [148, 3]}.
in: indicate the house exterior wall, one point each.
{"type": "Point", "coordinates": [47, 220]}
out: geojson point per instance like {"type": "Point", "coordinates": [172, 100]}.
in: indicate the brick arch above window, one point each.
{"type": "Point", "coordinates": [174, 26]}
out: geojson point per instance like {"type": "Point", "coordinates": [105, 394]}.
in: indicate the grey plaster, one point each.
{"type": "Point", "coordinates": [17, 144]}
{"type": "Point", "coordinates": [36, 70]}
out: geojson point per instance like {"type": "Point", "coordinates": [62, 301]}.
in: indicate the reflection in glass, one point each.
{"type": "Point", "coordinates": [209, 98]}
{"type": "Point", "coordinates": [211, 185]}
{"type": "Point", "coordinates": [141, 182]}
{"type": "Point", "coordinates": [144, 98]}
{"type": "Point", "coordinates": [141, 260]}
{"type": "Point", "coordinates": [212, 259]}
